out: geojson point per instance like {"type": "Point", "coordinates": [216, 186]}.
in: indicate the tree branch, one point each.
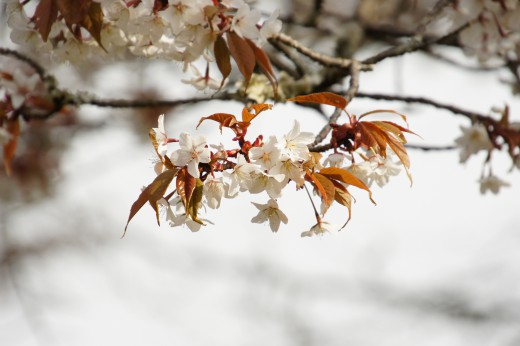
{"type": "Point", "coordinates": [422, 100]}
{"type": "Point", "coordinates": [323, 59]}
{"type": "Point", "coordinates": [411, 45]}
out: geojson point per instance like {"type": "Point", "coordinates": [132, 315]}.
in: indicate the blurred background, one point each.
{"type": "Point", "coordinates": [432, 264]}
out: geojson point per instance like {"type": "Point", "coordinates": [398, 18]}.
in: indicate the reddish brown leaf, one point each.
{"type": "Point", "coordinates": [393, 128]}
{"type": "Point", "coordinates": [384, 111]}
{"type": "Point", "coordinates": [371, 136]}
{"type": "Point", "coordinates": [159, 5]}
{"type": "Point", "coordinates": [185, 185]}
{"type": "Point", "coordinates": [243, 55]}
{"type": "Point", "coordinates": [327, 187]}
{"type": "Point", "coordinates": [44, 16]}
{"type": "Point", "coordinates": [137, 205]}
{"type": "Point", "coordinates": [262, 59]}
{"type": "Point", "coordinates": [73, 11]}
{"type": "Point", "coordinates": [13, 128]}
{"type": "Point", "coordinates": [344, 176]}
{"type": "Point", "coordinates": [324, 98]}
{"type": "Point", "coordinates": [196, 202]}
{"type": "Point", "coordinates": [93, 22]}
{"type": "Point", "coordinates": [224, 119]}
{"type": "Point", "coordinates": [158, 188]}
{"type": "Point", "coordinates": [222, 58]}
{"type": "Point", "coordinates": [324, 186]}
{"type": "Point", "coordinates": [247, 116]}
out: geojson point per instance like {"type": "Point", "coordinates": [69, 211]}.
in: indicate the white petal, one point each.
{"type": "Point", "coordinates": [193, 168]}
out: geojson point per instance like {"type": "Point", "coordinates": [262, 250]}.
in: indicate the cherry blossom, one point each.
{"type": "Point", "coordinates": [295, 143]}
{"type": "Point", "coordinates": [492, 183]}
{"type": "Point", "coordinates": [192, 152]}
{"type": "Point", "coordinates": [244, 22]}
{"type": "Point", "coordinates": [318, 229]}
{"type": "Point", "coordinates": [267, 155]}
{"type": "Point", "coordinates": [473, 139]}
{"type": "Point", "coordinates": [270, 212]}
{"type": "Point", "coordinates": [242, 175]}
{"type": "Point", "coordinates": [214, 189]}
{"type": "Point", "coordinates": [160, 136]}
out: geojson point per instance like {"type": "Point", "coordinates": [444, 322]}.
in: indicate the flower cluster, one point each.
{"type": "Point", "coordinates": [179, 30]}
{"type": "Point", "coordinates": [204, 175]}
{"type": "Point", "coordinates": [485, 138]}
{"type": "Point", "coordinates": [493, 30]}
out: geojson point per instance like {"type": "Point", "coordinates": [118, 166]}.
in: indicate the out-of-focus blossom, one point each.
{"type": "Point", "coordinates": [474, 139]}
{"type": "Point", "coordinates": [270, 212]}
{"type": "Point", "coordinates": [202, 82]}
{"type": "Point", "coordinates": [492, 183]}
{"type": "Point", "coordinates": [335, 160]}
{"type": "Point", "coordinates": [244, 22]}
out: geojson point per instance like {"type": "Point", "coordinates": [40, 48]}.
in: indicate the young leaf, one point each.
{"type": "Point", "coordinates": [328, 188]}
{"type": "Point", "coordinates": [196, 202]}
{"type": "Point", "coordinates": [243, 55]}
{"type": "Point", "coordinates": [324, 98]}
{"type": "Point", "coordinates": [44, 16]}
{"type": "Point", "coordinates": [247, 116]}
{"type": "Point", "coordinates": [222, 57]}
{"type": "Point", "coordinates": [225, 120]}
{"type": "Point", "coordinates": [384, 111]}
{"type": "Point", "coordinates": [323, 185]}
{"type": "Point", "coordinates": [158, 188]}
{"type": "Point", "coordinates": [341, 175]}
{"type": "Point", "coordinates": [185, 185]}
{"type": "Point", "coordinates": [73, 11]}
{"type": "Point", "coordinates": [93, 22]}
{"type": "Point", "coordinates": [343, 197]}
{"type": "Point", "coordinates": [262, 59]}
{"type": "Point", "coordinates": [137, 205]}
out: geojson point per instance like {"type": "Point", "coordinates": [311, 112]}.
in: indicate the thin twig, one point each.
{"type": "Point", "coordinates": [430, 148]}
{"type": "Point", "coordinates": [411, 45]}
{"type": "Point", "coordinates": [323, 59]}
{"type": "Point", "coordinates": [422, 100]}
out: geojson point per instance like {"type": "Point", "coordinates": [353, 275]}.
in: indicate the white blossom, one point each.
{"type": "Point", "coordinates": [290, 170]}
{"type": "Point", "coordinates": [160, 136]}
{"type": "Point", "coordinates": [336, 160]}
{"type": "Point", "coordinates": [267, 155]}
{"type": "Point", "coordinates": [244, 22]}
{"type": "Point", "coordinates": [474, 139]}
{"type": "Point", "coordinates": [241, 176]}
{"type": "Point", "coordinates": [492, 183]}
{"type": "Point", "coordinates": [201, 82]}
{"type": "Point", "coordinates": [192, 152]}
{"type": "Point", "coordinates": [318, 229]}
{"type": "Point", "coordinates": [295, 143]}
{"type": "Point", "coordinates": [214, 189]}
{"type": "Point", "coordinates": [271, 27]}
{"type": "Point", "coordinates": [376, 169]}
{"type": "Point", "coordinates": [270, 212]}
